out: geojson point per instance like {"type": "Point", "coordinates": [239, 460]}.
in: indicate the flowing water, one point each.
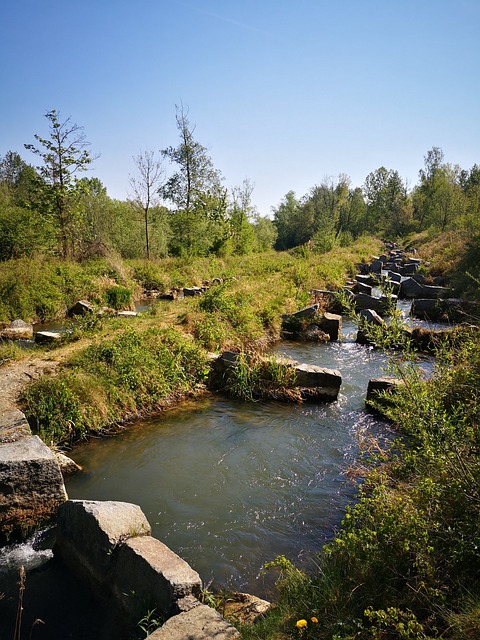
{"type": "Point", "coordinates": [229, 485]}
{"type": "Point", "coordinates": [226, 485]}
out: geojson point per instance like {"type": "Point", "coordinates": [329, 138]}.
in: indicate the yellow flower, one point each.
{"type": "Point", "coordinates": [301, 624]}
{"type": "Point", "coordinates": [314, 619]}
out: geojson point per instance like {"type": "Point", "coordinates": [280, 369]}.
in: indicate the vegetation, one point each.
{"type": "Point", "coordinates": [405, 561]}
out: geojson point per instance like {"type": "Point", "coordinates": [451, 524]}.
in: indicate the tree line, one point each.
{"type": "Point", "coordinates": [52, 209]}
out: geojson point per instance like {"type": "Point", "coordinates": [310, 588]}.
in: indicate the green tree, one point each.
{"type": "Point", "coordinates": [293, 221]}
{"type": "Point", "coordinates": [198, 221]}
{"type": "Point", "coordinates": [387, 202]}
{"type": "Point", "coordinates": [439, 200]}
{"type": "Point", "coordinates": [241, 211]}
{"type": "Point", "coordinates": [64, 154]}
{"type": "Point", "coordinates": [265, 232]}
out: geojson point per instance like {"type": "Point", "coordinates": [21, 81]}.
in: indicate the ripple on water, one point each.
{"type": "Point", "coordinates": [229, 485]}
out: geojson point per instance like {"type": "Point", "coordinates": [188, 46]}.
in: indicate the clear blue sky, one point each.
{"type": "Point", "coordinates": [284, 92]}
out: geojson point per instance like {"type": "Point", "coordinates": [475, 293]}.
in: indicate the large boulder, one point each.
{"type": "Point", "coordinates": [108, 546]}
{"type": "Point", "coordinates": [31, 486]}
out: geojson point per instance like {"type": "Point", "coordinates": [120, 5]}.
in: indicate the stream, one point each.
{"type": "Point", "coordinates": [229, 485]}
{"type": "Point", "coordinates": [226, 485]}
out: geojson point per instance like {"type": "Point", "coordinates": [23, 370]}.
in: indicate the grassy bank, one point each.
{"type": "Point", "coordinates": [115, 369]}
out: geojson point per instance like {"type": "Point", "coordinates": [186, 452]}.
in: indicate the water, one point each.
{"type": "Point", "coordinates": [228, 485]}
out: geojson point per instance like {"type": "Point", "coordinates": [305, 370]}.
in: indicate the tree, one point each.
{"type": "Point", "coordinates": [439, 200]}
{"type": "Point", "coordinates": [195, 189]}
{"type": "Point", "coordinates": [241, 211]}
{"type": "Point", "coordinates": [294, 222]}
{"type": "Point", "coordinates": [146, 187]}
{"type": "Point", "coordinates": [64, 154]}
{"type": "Point", "coordinates": [387, 202]}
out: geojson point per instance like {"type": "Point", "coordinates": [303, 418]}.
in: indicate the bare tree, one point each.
{"type": "Point", "coordinates": [145, 187]}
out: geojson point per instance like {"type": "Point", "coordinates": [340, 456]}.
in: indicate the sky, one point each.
{"type": "Point", "coordinates": [285, 93]}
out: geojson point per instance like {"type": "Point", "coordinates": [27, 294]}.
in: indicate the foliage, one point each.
{"type": "Point", "coordinates": [9, 352]}
{"type": "Point", "coordinates": [64, 153]}
{"type": "Point", "coordinates": [253, 377]}
{"type": "Point", "coordinates": [118, 297]}
{"type": "Point", "coordinates": [133, 373]}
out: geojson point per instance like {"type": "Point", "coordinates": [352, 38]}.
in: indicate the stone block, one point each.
{"type": "Point", "coordinates": [148, 573]}
{"type": "Point", "coordinates": [13, 426]}
{"type": "Point", "coordinates": [88, 532]}
{"type": "Point", "coordinates": [200, 623]}
{"type": "Point", "coordinates": [307, 312]}
{"type": "Point", "coordinates": [330, 323]}
{"type": "Point", "coordinates": [31, 485]}
{"type": "Point", "coordinates": [377, 386]}
{"type": "Point", "coordinates": [318, 383]}
{"type": "Point", "coordinates": [47, 337]}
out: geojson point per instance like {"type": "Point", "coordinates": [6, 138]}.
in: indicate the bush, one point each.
{"type": "Point", "coordinates": [118, 297]}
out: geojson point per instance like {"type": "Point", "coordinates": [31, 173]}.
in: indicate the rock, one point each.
{"type": "Point", "coordinates": [377, 386]}
{"type": "Point", "coordinates": [331, 324]}
{"type": "Point", "coordinates": [200, 623]}
{"type": "Point", "coordinates": [312, 382]}
{"type": "Point", "coordinates": [31, 486]}
{"type": "Point", "coordinates": [88, 532]}
{"type": "Point", "coordinates": [192, 291]}
{"type": "Point", "coordinates": [17, 330]}
{"type": "Point", "coordinates": [317, 383]}
{"type": "Point", "coordinates": [370, 316]}
{"type": "Point", "coordinates": [307, 312]}
{"type": "Point", "coordinates": [428, 340]}
{"type": "Point", "coordinates": [81, 308]}
{"type": "Point", "coordinates": [367, 279]}
{"type": "Point", "coordinates": [382, 304]}
{"type": "Point", "coordinates": [311, 333]}
{"type": "Point", "coordinates": [364, 288]}
{"type": "Point", "coordinates": [245, 608]}
{"type": "Point", "coordinates": [410, 288]}
{"type": "Point", "coordinates": [127, 314]}
{"type": "Point", "coordinates": [391, 286]}
{"type": "Point", "coordinates": [13, 426]}
{"type": "Point", "coordinates": [394, 276]}
{"type": "Point", "coordinates": [148, 568]}
{"type": "Point", "coordinates": [408, 269]}
{"type": "Point", "coordinates": [48, 337]}
{"type": "Point", "coordinates": [376, 266]}
{"type": "Point", "coordinates": [67, 466]}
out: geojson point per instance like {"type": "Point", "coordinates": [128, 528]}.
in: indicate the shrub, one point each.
{"type": "Point", "coordinates": [118, 297]}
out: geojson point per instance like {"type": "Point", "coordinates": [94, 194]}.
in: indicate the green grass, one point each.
{"type": "Point", "coordinates": [135, 373]}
